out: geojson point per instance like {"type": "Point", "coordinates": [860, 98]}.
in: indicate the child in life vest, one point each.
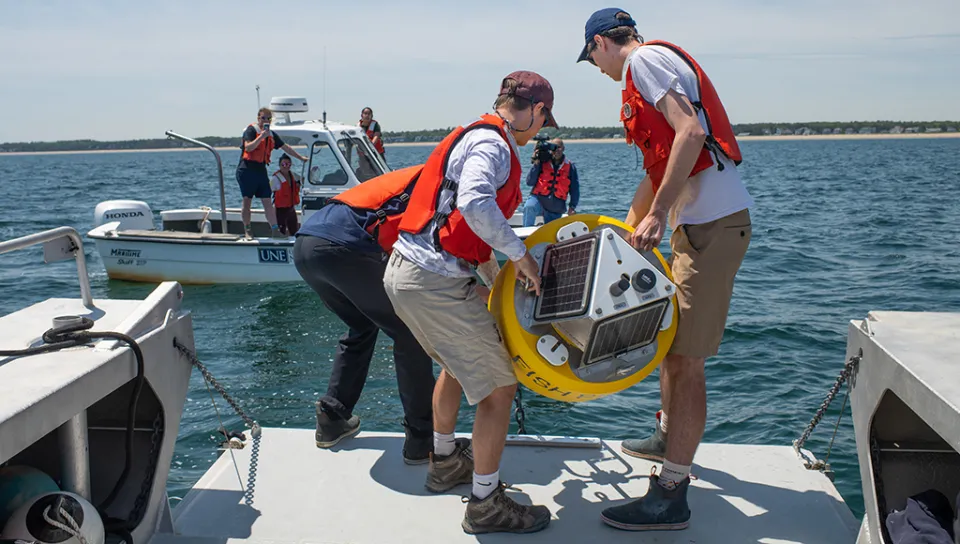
{"type": "Point", "coordinates": [285, 185]}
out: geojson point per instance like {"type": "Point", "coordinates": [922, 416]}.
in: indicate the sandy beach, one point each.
{"type": "Point", "coordinates": [921, 136]}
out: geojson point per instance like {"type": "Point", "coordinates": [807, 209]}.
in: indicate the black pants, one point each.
{"type": "Point", "coordinates": [350, 284]}
{"type": "Point", "coordinates": [287, 220]}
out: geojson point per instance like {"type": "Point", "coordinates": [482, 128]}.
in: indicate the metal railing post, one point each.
{"type": "Point", "coordinates": [223, 198]}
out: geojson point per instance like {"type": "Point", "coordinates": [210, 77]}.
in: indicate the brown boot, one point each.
{"type": "Point", "coordinates": [498, 513]}
{"type": "Point", "coordinates": [449, 471]}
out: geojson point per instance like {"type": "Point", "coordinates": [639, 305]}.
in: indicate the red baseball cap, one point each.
{"type": "Point", "coordinates": [533, 87]}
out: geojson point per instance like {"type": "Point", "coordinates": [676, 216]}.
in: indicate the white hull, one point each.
{"type": "Point", "coordinates": [199, 259]}
{"type": "Point", "coordinates": [196, 260]}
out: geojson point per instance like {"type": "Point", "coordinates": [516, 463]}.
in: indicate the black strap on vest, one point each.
{"type": "Point", "coordinates": [711, 143]}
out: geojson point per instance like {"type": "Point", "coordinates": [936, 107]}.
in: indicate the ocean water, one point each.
{"type": "Point", "coordinates": [839, 228]}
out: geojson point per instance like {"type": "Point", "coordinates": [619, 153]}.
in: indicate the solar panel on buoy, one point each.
{"type": "Point", "coordinates": [566, 278]}
{"type": "Point", "coordinates": [625, 332]}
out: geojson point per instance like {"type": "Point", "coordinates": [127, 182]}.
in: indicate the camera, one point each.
{"type": "Point", "coordinates": [543, 152]}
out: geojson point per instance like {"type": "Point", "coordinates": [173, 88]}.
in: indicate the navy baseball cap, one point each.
{"type": "Point", "coordinates": [602, 21]}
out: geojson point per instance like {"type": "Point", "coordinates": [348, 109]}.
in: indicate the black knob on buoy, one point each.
{"type": "Point", "coordinates": [621, 286]}
{"type": "Point", "coordinates": [644, 280]}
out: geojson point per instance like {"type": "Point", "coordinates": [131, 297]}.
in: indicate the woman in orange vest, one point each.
{"type": "Point", "coordinates": [258, 144]}
{"type": "Point", "coordinates": [373, 130]}
{"type": "Point", "coordinates": [673, 114]}
{"type": "Point", "coordinates": [341, 253]}
{"type": "Point", "coordinates": [285, 185]}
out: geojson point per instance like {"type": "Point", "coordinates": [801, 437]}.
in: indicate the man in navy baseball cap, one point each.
{"type": "Point", "coordinates": [602, 21]}
{"type": "Point", "coordinates": [690, 156]}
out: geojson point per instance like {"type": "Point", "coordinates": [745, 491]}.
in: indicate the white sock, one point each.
{"type": "Point", "coordinates": [672, 474]}
{"type": "Point", "coordinates": [443, 444]}
{"type": "Point", "coordinates": [485, 484]}
{"type": "Point", "coordinates": [663, 422]}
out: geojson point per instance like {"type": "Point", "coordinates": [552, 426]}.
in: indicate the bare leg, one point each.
{"type": "Point", "coordinates": [269, 211]}
{"type": "Point", "coordinates": [446, 403]}
{"type": "Point", "coordinates": [245, 211]}
{"type": "Point", "coordinates": [664, 388]}
{"type": "Point", "coordinates": [490, 429]}
{"type": "Point", "coordinates": [687, 406]}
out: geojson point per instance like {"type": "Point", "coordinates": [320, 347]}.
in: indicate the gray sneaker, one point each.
{"type": "Point", "coordinates": [331, 431]}
{"type": "Point", "coordinates": [498, 513]}
{"type": "Point", "coordinates": [652, 448]}
{"type": "Point", "coordinates": [449, 471]}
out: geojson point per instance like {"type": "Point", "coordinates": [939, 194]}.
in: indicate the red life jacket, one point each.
{"type": "Point", "coordinates": [452, 233]}
{"type": "Point", "coordinates": [645, 126]}
{"type": "Point", "coordinates": [288, 195]}
{"type": "Point", "coordinates": [371, 133]}
{"type": "Point", "coordinates": [553, 182]}
{"type": "Point", "coordinates": [386, 196]}
{"type": "Point", "coordinates": [262, 152]}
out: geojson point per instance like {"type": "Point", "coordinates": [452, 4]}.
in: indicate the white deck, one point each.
{"type": "Point", "coordinates": [362, 492]}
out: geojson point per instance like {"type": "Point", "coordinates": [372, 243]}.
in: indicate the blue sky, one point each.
{"type": "Point", "coordinates": [121, 69]}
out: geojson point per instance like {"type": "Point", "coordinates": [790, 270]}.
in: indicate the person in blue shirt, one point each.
{"type": "Point", "coordinates": [553, 179]}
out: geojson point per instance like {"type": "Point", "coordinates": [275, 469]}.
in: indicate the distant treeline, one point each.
{"type": "Point", "coordinates": [95, 145]}
{"type": "Point", "coordinates": [571, 133]}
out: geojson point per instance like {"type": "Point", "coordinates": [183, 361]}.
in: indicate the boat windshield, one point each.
{"type": "Point", "coordinates": [361, 157]}
{"type": "Point", "coordinates": [325, 168]}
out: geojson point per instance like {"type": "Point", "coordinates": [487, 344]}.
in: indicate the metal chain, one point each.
{"type": "Point", "coordinates": [254, 426]}
{"type": "Point", "coordinates": [519, 414]}
{"type": "Point", "coordinates": [155, 440]}
{"type": "Point", "coordinates": [849, 368]}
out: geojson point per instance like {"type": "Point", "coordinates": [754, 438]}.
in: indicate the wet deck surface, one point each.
{"type": "Point", "coordinates": [362, 492]}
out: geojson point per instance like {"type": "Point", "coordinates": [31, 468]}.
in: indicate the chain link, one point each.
{"type": "Point", "coordinates": [519, 414]}
{"type": "Point", "coordinates": [254, 426]}
{"type": "Point", "coordinates": [849, 368]}
{"type": "Point", "coordinates": [155, 440]}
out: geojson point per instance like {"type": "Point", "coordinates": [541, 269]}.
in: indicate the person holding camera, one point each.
{"type": "Point", "coordinates": [553, 178]}
{"type": "Point", "coordinates": [258, 144]}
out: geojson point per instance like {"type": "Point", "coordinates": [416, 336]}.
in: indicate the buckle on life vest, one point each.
{"type": "Point", "coordinates": [381, 216]}
{"type": "Point", "coordinates": [448, 184]}
{"type": "Point", "coordinates": [713, 146]}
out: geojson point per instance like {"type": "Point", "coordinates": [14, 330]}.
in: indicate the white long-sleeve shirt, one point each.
{"type": "Point", "coordinates": [480, 164]}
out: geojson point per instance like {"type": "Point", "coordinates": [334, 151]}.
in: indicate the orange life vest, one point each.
{"type": "Point", "coordinates": [288, 195]}
{"type": "Point", "coordinates": [452, 233]}
{"type": "Point", "coordinates": [262, 152]}
{"type": "Point", "coordinates": [646, 127]}
{"type": "Point", "coordinates": [386, 196]}
{"type": "Point", "coordinates": [371, 134]}
{"type": "Point", "coordinates": [553, 182]}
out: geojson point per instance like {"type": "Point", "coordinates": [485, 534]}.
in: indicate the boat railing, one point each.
{"type": "Point", "coordinates": [223, 197]}
{"type": "Point", "coordinates": [59, 244]}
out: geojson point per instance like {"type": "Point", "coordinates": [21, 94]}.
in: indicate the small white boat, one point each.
{"type": "Point", "coordinates": [206, 246]}
{"type": "Point", "coordinates": [94, 421]}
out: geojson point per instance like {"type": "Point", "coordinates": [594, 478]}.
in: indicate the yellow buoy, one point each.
{"type": "Point", "coordinates": [605, 318]}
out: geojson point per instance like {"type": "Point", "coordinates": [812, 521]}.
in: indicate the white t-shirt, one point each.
{"type": "Point", "coordinates": [277, 180]}
{"type": "Point", "coordinates": [712, 193]}
{"type": "Point", "coordinates": [480, 164]}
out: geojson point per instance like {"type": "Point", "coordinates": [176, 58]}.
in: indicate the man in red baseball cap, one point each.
{"type": "Point", "coordinates": [672, 112]}
{"type": "Point", "coordinates": [456, 216]}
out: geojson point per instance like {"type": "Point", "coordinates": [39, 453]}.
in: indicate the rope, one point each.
{"type": "Point", "coordinates": [72, 529]}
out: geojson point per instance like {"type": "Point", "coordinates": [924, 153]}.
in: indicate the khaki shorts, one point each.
{"type": "Point", "coordinates": [705, 259]}
{"type": "Point", "coordinates": [452, 324]}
